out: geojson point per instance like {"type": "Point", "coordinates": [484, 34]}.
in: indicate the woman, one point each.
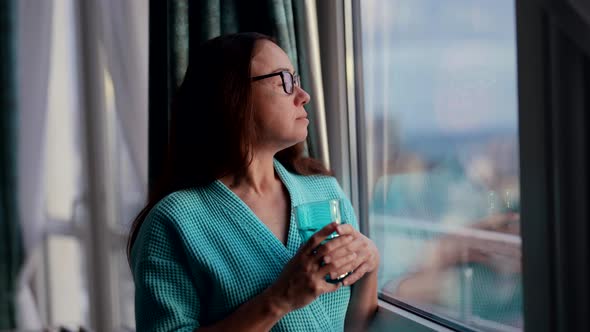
{"type": "Point", "coordinates": [216, 249]}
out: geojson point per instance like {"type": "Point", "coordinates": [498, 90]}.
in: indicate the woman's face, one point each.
{"type": "Point", "coordinates": [281, 120]}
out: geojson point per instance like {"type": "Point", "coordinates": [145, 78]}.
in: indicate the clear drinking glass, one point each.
{"type": "Point", "coordinates": [313, 216]}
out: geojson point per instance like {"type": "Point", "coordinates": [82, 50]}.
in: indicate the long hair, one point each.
{"type": "Point", "coordinates": [212, 123]}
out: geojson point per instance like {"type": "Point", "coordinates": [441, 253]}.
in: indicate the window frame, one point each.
{"type": "Point", "coordinates": [553, 60]}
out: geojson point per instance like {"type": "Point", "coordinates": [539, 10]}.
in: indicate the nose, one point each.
{"type": "Point", "coordinates": [301, 97]}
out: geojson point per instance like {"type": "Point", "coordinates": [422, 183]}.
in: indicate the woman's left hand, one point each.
{"type": "Point", "coordinates": [365, 256]}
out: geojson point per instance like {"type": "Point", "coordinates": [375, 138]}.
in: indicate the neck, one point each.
{"type": "Point", "coordinates": [260, 177]}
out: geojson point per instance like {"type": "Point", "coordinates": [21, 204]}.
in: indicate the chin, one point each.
{"type": "Point", "coordinates": [302, 137]}
{"type": "Point", "coordinates": [297, 135]}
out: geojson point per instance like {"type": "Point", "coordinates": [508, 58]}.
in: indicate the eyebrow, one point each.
{"type": "Point", "coordinates": [283, 69]}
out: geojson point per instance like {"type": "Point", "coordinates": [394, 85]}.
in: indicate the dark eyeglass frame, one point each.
{"type": "Point", "coordinates": [295, 80]}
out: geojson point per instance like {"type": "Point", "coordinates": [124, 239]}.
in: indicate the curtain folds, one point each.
{"type": "Point", "coordinates": [211, 18]}
{"type": "Point", "coordinates": [34, 49]}
{"type": "Point", "coordinates": [178, 35]}
{"type": "Point", "coordinates": [11, 250]}
{"type": "Point", "coordinates": [125, 41]}
{"type": "Point", "coordinates": [293, 23]}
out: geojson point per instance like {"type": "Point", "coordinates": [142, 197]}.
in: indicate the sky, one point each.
{"type": "Point", "coordinates": [440, 66]}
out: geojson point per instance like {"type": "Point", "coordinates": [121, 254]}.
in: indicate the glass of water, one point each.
{"type": "Point", "coordinates": [313, 216]}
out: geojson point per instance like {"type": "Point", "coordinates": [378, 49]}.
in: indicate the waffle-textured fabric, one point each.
{"type": "Point", "coordinates": [202, 252]}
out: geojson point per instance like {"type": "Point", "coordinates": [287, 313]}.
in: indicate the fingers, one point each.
{"type": "Point", "coordinates": [323, 234]}
{"type": "Point", "coordinates": [331, 287]}
{"type": "Point", "coordinates": [342, 271]}
{"type": "Point", "coordinates": [319, 237]}
{"type": "Point", "coordinates": [345, 229]}
{"type": "Point", "coordinates": [344, 255]}
{"type": "Point", "coordinates": [334, 244]}
{"type": "Point", "coordinates": [350, 251]}
{"type": "Point", "coordinates": [357, 274]}
{"type": "Point", "coordinates": [347, 234]}
{"type": "Point", "coordinates": [343, 264]}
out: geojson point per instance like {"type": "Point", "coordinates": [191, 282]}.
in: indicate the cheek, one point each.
{"type": "Point", "coordinates": [270, 114]}
{"type": "Point", "coordinates": [267, 121]}
{"type": "Point", "coordinates": [274, 121]}
{"type": "Point", "coordinates": [277, 127]}
{"type": "Point", "coordinates": [273, 125]}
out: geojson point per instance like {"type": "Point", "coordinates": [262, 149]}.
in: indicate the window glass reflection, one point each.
{"type": "Point", "coordinates": [442, 154]}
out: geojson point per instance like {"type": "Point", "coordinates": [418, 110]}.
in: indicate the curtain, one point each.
{"type": "Point", "coordinates": [34, 47]}
{"type": "Point", "coordinates": [293, 23]}
{"type": "Point", "coordinates": [11, 251]}
{"type": "Point", "coordinates": [125, 40]}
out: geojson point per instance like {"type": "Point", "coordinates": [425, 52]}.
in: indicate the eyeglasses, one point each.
{"type": "Point", "coordinates": [289, 80]}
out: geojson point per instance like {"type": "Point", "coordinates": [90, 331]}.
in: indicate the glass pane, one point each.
{"type": "Point", "coordinates": [442, 154]}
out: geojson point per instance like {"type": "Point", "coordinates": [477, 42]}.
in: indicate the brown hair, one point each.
{"type": "Point", "coordinates": [212, 123]}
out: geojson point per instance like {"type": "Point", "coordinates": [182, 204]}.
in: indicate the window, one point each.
{"type": "Point", "coordinates": [440, 111]}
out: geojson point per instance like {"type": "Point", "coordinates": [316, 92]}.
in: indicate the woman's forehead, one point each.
{"type": "Point", "coordinates": [268, 58]}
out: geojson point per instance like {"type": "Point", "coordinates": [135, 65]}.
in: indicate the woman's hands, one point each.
{"type": "Point", "coordinates": [303, 278]}
{"type": "Point", "coordinates": [358, 254]}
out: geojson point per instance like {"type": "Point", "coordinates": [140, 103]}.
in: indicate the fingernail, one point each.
{"type": "Point", "coordinates": [340, 229]}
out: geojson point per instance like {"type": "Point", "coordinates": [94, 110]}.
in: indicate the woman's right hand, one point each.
{"type": "Point", "coordinates": [303, 278]}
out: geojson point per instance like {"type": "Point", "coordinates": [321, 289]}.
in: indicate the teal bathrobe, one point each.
{"type": "Point", "coordinates": [202, 252]}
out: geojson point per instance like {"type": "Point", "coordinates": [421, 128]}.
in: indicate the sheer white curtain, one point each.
{"type": "Point", "coordinates": [34, 28]}
{"type": "Point", "coordinates": [125, 40]}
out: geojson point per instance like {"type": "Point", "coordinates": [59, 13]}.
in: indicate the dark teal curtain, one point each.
{"type": "Point", "coordinates": [176, 26]}
{"type": "Point", "coordinates": [11, 251]}
{"type": "Point", "coordinates": [211, 18]}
